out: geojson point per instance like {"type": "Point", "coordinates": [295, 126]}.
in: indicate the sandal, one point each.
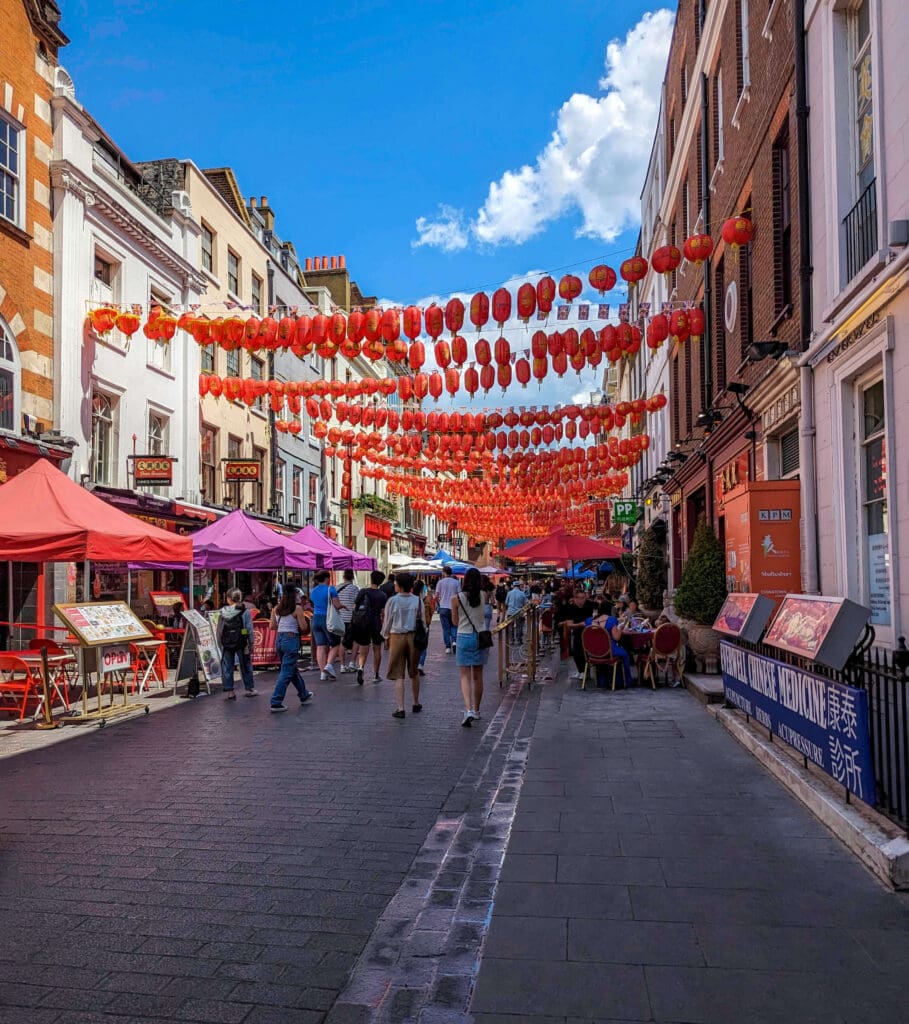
{"type": "Point", "coordinates": [231, 695]}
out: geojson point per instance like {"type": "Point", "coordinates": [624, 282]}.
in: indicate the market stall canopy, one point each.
{"type": "Point", "coordinates": [560, 546]}
{"type": "Point", "coordinates": [336, 555]}
{"type": "Point", "coordinates": [239, 541]}
{"type": "Point", "coordinates": [443, 556]}
{"type": "Point", "coordinates": [420, 567]}
{"type": "Point", "coordinates": [397, 560]}
{"type": "Point", "coordinates": [46, 517]}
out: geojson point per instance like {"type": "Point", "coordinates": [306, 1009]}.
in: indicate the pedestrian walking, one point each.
{"type": "Point", "coordinates": [326, 642]}
{"type": "Point", "coordinates": [347, 598]}
{"type": "Point", "coordinates": [388, 587]}
{"type": "Point", "coordinates": [446, 590]}
{"type": "Point", "coordinates": [235, 632]}
{"type": "Point", "coordinates": [469, 617]}
{"type": "Point", "coordinates": [422, 592]}
{"type": "Point", "coordinates": [366, 624]}
{"type": "Point", "coordinates": [288, 621]}
{"type": "Point", "coordinates": [399, 623]}
{"type": "Point", "coordinates": [514, 603]}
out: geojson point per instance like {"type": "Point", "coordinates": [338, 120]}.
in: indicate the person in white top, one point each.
{"type": "Point", "coordinates": [288, 620]}
{"type": "Point", "coordinates": [468, 609]}
{"type": "Point", "coordinates": [399, 621]}
{"type": "Point", "coordinates": [446, 589]}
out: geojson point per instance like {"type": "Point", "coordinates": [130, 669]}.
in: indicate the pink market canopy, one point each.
{"type": "Point", "coordinates": [239, 541]}
{"type": "Point", "coordinates": [336, 555]}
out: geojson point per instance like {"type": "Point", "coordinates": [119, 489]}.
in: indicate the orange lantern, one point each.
{"type": "Point", "coordinates": [416, 354]}
{"type": "Point", "coordinates": [412, 322]}
{"type": "Point", "coordinates": [104, 319]}
{"type": "Point", "coordinates": [698, 248]}
{"type": "Point", "coordinates": [666, 259]}
{"type": "Point", "coordinates": [570, 287]}
{"type": "Point", "coordinates": [372, 326]}
{"type": "Point", "coordinates": [128, 324]}
{"type": "Point", "coordinates": [391, 325]}
{"type": "Point", "coordinates": [442, 353]}
{"type": "Point", "coordinates": [527, 301]}
{"type": "Point", "coordinates": [319, 331]}
{"type": "Point", "coordinates": [602, 278]}
{"type": "Point", "coordinates": [337, 328]}
{"type": "Point", "coordinates": [479, 310]}
{"type": "Point", "coordinates": [633, 269]}
{"type": "Point", "coordinates": [356, 324]}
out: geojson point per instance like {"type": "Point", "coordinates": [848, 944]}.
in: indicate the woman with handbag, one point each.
{"type": "Point", "coordinates": [401, 620]}
{"type": "Point", "coordinates": [468, 614]}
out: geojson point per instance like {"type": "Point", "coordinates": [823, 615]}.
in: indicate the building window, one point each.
{"type": "Point", "coordinates": [789, 454]}
{"type": "Point", "coordinates": [233, 363]}
{"type": "Point", "coordinates": [875, 520]}
{"type": "Point", "coordinates": [296, 496]}
{"type": "Point", "coordinates": [674, 399]}
{"type": "Point", "coordinates": [718, 141]}
{"type": "Point", "coordinates": [208, 452]}
{"type": "Point", "coordinates": [782, 222]}
{"type": "Point", "coordinates": [10, 381]}
{"type": "Point", "coordinates": [683, 83]}
{"type": "Point", "coordinates": [158, 351]}
{"type": "Point", "coordinates": [689, 392]}
{"type": "Point", "coordinates": [257, 372]}
{"type": "Point", "coordinates": [313, 503]}
{"type": "Point", "coordinates": [157, 434]}
{"type": "Point", "coordinates": [208, 248]}
{"type": "Point", "coordinates": [699, 183]}
{"type": "Point", "coordinates": [280, 469]}
{"type": "Point", "coordinates": [12, 138]}
{"type": "Point", "coordinates": [257, 293]}
{"type": "Point", "coordinates": [233, 273]}
{"type": "Point", "coordinates": [674, 277]}
{"type": "Point", "coordinates": [686, 202]}
{"type": "Point", "coordinates": [742, 56]}
{"type": "Point", "coordinates": [259, 455]}
{"type": "Point", "coordinates": [718, 324]}
{"type": "Point", "coordinates": [232, 489]}
{"type": "Point", "coordinates": [207, 357]}
{"type": "Point", "coordinates": [671, 139]}
{"type": "Point", "coordinates": [104, 439]}
{"type": "Point", "coordinates": [106, 278]}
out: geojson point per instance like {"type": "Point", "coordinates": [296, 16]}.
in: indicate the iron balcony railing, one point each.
{"type": "Point", "coordinates": [860, 231]}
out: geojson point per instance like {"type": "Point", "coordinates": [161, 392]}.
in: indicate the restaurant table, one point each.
{"type": "Point", "coordinates": [59, 668]}
{"type": "Point", "coordinates": [146, 664]}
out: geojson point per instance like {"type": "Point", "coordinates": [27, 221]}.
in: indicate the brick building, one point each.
{"type": "Point", "coordinates": [730, 137]}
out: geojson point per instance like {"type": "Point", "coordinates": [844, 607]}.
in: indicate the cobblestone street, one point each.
{"type": "Point", "coordinates": [215, 863]}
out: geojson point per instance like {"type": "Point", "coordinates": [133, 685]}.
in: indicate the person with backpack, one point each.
{"type": "Point", "coordinates": [235, 635]}
{"type": "Point", "coordinates": [366, 624]}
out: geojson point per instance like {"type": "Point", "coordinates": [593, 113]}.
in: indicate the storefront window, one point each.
{"type": "Point", "coordinates": [874, 496]}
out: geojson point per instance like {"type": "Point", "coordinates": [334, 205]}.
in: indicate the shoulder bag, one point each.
{"type": "Point", "coordinates": [420, 632]}
{"type": "Point", "coordinates": [484, 636]}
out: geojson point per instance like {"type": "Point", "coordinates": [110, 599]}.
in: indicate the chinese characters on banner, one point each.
{"type": "Point", "coordinates": [825, 721]}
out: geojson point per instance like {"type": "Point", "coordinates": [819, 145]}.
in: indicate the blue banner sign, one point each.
{"type": "Point", "coordinates": [827, 722]}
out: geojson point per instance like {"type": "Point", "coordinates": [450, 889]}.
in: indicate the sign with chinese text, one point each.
{"type": "Point", "coordinates": [601, 518]}
{"type": "Point", "coordinates": [625, 512]}
{"type": "Point", "coordinates": [243, 470]}
{"type": "Point", "coordinates": [152, 470]}
{"type": "Point", "coordinates": [824, 721]}
{"type": "Point", "coordinates": [378, 528]}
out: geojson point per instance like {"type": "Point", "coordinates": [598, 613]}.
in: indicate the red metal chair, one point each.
{"type": "Point", "coordinates": [665, 652]}
{"type": "Point", "coordinates": [546, 627]}
{"type": "Point", "coordinates": [61, 673]}
{"type": "Point", "coordinates": [16, 678]}
{"type": "Point", "coordinates": [597, 647]}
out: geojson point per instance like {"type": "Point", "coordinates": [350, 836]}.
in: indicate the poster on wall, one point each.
{"type": "Point", "coordinates": [824, 721]}
{"type": "Point", "coordinates": [879, 579]}
{"type": "Point", "coordinates": [822, 629]}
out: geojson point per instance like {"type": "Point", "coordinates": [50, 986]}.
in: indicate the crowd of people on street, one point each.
{"type": "Point", "coordinates": [351, 627]}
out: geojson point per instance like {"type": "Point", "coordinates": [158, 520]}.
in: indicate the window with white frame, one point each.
{"type": "Point", "coordinates": [104, 439]}
{"type": "Point", "coordinates": [158, 354]}
{"type": "Point", "coordinates": [257, 372]}
{"type": "Point", "coordinates": [313, 494]}
{"type": "Point", "coordinates": [12, 150]}
{"type": "Point", "coordinates": [257, 294]}
{"type": "Point", "coordinates": [233, 273]}
{"type": "Point", "coordinates": [105, 277]}
{"type": "Point", "coordinates": [863, 131]}
{"type": "Point", "coordinates": [296, 495]}
{"type": "Point", "coordinates": [742, 55]}
{"type": "Point", "coordinates": [875, 525]}
{"type": "Point", "coordinates": [233, 363]}
{"type": "Point", "coordinates": [10, 379]}
{"type": "Point", "coordinates": [207, 359]}
{"type": "Point", "coordinates": [280, 469]}
{"type": "Point", "coordinates": [157, 434]}
{"type": "Point", "coordinates": [207, 243]}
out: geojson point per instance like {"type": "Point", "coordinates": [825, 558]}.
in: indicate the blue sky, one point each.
{"type": "Point", "coordinates": [375, 126]}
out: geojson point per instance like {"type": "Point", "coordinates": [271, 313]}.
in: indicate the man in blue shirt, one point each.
{"type": "Point", "coordinates": [327, 644]}
{"type": "Point", "coordinates": [514, 602]}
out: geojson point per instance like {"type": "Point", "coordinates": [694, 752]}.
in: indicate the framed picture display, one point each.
{"type": "Point", "coordinates": [98, 623]}
{"type": "Point", "coordinates": [744, 616]}
{"type": "Point", "coordinates": [821, 629]}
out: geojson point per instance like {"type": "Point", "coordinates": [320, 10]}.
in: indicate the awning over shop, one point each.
{"type": "Point", "coordinates": [46, 517]}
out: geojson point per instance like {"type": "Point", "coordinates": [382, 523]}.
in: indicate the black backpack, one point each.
{"type": "Point", "coordinates": [501, 594]}
{"type": "Point", "coordinates": [233, 636]}
{"type": "Point", "coordinates": [362, 617]}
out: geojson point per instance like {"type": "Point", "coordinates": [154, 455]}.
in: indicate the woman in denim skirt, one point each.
{"type": "Point", "coordinates": [468, 614]}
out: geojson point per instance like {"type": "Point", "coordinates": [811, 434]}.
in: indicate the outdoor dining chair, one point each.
{"type": "Point", "coordinates": [597, 646]}
{"type": "Point", "coordinates": [665, 652]}
{"type": "Point", "coordinates": [62, 672]}
{"type": "Point", "coordinates": [17, 679]}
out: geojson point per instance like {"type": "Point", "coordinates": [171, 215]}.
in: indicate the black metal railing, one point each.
{"type": "Point", "coordinates": [882, 675]}
{"type": "Point", "coordinates": [860, 231]}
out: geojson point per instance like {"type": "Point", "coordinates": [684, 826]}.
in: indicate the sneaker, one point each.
{"type": "Point", "coordinates": [378, 678]}
{"type": "Point", "coordinates": [398, 714]}
{"type": "Point", "coordinates": [322, 677]}
{"type": "Point", "coordinates": [359, 677]}
{"type": "Point", "coordinates": [277, 707]}
{"type": "Point", "coordinates": [448, 650]}
{"type": "Point", "coordinates": [252, 693]}
{"type": "Point", "coordinates": [417, 708]}
{"type": "Point", "coordinates": [330, 672]}
{"type": "Point", "coordinates": [422, 673]}
{"type": "Point", "coordinates": [307, 697]}
{"type": "Point", "coordinates": [468, 719]}
{"type": "Point", "coordinates": [352, 667]}
{"type": "Point", "coordinates": [476, 715]}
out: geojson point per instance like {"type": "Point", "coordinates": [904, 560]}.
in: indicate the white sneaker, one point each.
{"type": "Point", "coordinates": [322, 677]}
{"type": "Point", "coordinates": [330, 672]}
{"type": "Point", "coordinates": [468, 719]}
{"type": "Point", "coordinates": [476, 715]}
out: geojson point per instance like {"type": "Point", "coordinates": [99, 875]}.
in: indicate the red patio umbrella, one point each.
{"type": "Point", "coordinates": [563, 547]}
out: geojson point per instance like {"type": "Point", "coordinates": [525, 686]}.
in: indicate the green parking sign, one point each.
{"type": "Point", "coordinates": [625, 512]}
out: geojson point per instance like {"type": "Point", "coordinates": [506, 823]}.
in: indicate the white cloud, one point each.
{"type": "Point", "coordinates": [594, 163]}
{"type": "Point", "coordinates": [447, 231]}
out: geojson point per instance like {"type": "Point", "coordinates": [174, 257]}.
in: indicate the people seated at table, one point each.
{"type": "Point", "coordinates": [572, 616]}
{"type": "Point", "coordinates": [606, 619]}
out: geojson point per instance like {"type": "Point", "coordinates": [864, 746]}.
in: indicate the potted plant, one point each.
{"type": "Point", "coordinates": [701, 593]}
{"type": "Point", "coordinates": [651, 571]}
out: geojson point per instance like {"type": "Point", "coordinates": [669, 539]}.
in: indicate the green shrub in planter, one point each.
{"type": "Point", "coordinates": [702, 588]}
{"type": "Point", "coordinates": [651, 570]}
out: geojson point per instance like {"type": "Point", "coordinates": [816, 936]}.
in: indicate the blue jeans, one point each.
{"type": "Point", "coordinates": [448, 633]}
{"type": "Point", "coordinates": [288, 646]}
{"type": "Point", "coordinates": [244, 660]}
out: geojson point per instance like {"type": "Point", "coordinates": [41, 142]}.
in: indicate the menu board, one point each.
{"type": "Point", "coordinates": [97, 623]}
{"type": "Point", "coordinates": [744, 616]}
{"type": "Point", "coordinates": [166, 599]}
{"type": "Point", "coordinates": [202, 641]}
{"type": "Point", "coordinates": [822, 629]}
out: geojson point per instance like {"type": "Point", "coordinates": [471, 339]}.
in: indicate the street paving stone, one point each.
{"type": "Point", "coordinates": [656, 873]}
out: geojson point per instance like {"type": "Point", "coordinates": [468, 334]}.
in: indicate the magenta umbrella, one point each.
{"type": "Point", "coordinates": [560, 546]}
{"type": "Point", "coordinates": [336, 555]}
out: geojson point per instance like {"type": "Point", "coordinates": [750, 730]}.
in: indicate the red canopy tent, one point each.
{"type": "Point", "coordinates": [560, 546]}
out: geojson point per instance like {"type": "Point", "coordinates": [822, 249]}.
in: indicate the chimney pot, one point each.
{"type": "Point", "coordinates": [334, 263]}
{"type": "Point", "coordinates": [252, 201]}
{"type": "Point", "coordinates": [317, 263]}
{"type": "Point", "coordinates": [342, 262]}
{"type": "Point", "coordinates": [308, 263]}
{"type": "Point", "coordinates": [325, 263]}
{"type": "Point", "coordinates": [264, 201]}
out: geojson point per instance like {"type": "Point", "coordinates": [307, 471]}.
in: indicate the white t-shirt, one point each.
{"type": "Point", "coordinates": [446, 589]}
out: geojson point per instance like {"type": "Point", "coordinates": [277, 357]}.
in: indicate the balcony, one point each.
{"type": "Point", "coordinates": [860, 232]}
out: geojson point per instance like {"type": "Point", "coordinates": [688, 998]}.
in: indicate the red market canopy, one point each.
{"type": "Point", "coordinates": [336, 555]}
{"type": "Point", "coordinates": [240, 542]}
{"type": "Point", "coordinates": [46, 517]}
{"type": "Point", "coordinates": [563, 547]}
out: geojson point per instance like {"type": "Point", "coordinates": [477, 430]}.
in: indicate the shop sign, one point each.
{"type": "Point", "coordinates": [731, 476]}
{"type": "Point", "coordinates": [853, 336]}
{"type": "Point", "coordinates": [601, 518]}
{"type": "Point", "coordinates": [824, 721]}
{"type": "Point", "coordinates": [377, 528]}
{"type": "Point", "coordinates": [114, 659]}
{"type": "Point", "coordinates": [625, 512]}
{"type": "Point", "coordinates": [153, 470]}
{"type": "Point", "coordinates": [242, 470]}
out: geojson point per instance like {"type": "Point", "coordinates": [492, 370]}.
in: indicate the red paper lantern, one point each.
{"type": "Point", "coordinates": [602, 278]}
{"type": "Point", "coordinates": [737, 231]}
{"type": "Point", "coordinates": [560, 363]}
{"type": "Point", "coordinates": [633, 269]}
{"type": "Point", "coordinates": [405, 388]}
{"type": "Point", "coordinates": [471, 381]}
{"type": "Point", "coordinates": [538, 345]}
{"type": "Point", "coordinates": [527, 301]}
{"type": "Point", "coordinates": [356, 325]}
{"type": "Point", "coordinates": [501, 306]}
{"type": "Point", "coordinates": [128, 324]}
{"type": "Point", "coordinates": [104, 319]}
{"type": "Point", "coordinates": [443, 354]}
{"type": "Point", "coordinates": [459, 349]}
{"type": "Point", "coordinates": [452, 380]}
{"type": "Point", "coordinates": [434, 321]}
{"type": "Point", "coordinates": [337, 328]}
{"type": "Point", "coordinates": [372, 326]}
{"type": "Point", "coordinates": [679, 326]}
{"type": "Point", "coordinates": [571, 343]}
{"type": "Point", "coordinates": [391, 325]}
{"type": "Point", "coordinates": [503, 352]}
{"type": "Point", "coordinates": [479, 310]}
{"type": "Point", "coordinates": [454, 315]}
{"type": "Point", "coordinates": [412, 322]}
{"type": "Point", "coordinates": [285, 332]}
{"type": "Point", "coordinates": [666, 259]}
{"type": "Point", "coordinates": [522, 371]}
{"type": "Point", "coordinates": [319, 331]}
{"type": "Point", "coordinates": [698, 248]}
{"type": "Point", "coordinates": [482, 352]}
{"type": "Point", "coordinates": [435, 385]}
{"type": "Point", "coordinates": [546, 293]}
{"type": "Point", "coordinates": [696, 323]}
{"type": "Point", "coordinates": [570, 287]}
{"type": "Point", "coordinates": [487, 378]}
{"type": "Point", "coordinates": [417, 355]}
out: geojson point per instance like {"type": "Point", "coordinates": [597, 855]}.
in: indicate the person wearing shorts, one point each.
{"type": "Point", "coordinates": [398, 625]}
{"type": "Point", "coordinates": [326, 643]}
{"type": "Point", "coordinates": [366, 625]}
